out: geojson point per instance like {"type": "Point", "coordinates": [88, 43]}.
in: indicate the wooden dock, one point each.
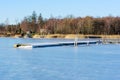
{"type": "Point", "coordinates": [54, 44]}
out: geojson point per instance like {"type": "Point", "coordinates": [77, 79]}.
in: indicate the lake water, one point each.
{"type": "Point", "coordinates": [93, 62]}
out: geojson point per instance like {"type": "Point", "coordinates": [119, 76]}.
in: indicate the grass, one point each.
{"type": "Point", "coordinates": [67, 36]}
{"type": "Point", "coordinates": [72, 36]}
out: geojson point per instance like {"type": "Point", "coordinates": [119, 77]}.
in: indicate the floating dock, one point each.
{"type": "Point", "coordinates": [54, 44]}
{"type": "Point", "coordinates": [111, 41]}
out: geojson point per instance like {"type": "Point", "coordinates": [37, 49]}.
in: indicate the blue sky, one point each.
{"type": "Point", "coordinates": [18, 9]}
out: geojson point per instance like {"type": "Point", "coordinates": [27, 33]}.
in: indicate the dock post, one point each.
{"type": "Point", "coordinates": [88, 42]}
{"type": "Point", "coordinates": [75, 42]}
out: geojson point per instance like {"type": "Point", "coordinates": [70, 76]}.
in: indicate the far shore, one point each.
{"type": "Point", "coordinates": [68, 36]}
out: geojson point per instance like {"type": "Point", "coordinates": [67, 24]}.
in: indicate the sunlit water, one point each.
{"type": "Point", "coordinates": [93, 62]}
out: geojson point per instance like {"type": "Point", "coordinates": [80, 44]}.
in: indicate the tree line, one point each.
{"type": "Point", "coordinates": [69, 25]}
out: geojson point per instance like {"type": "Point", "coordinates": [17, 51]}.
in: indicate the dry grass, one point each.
{"type": "Point", "coordinates": [55, 36]}
{"type": "Point", "coordinates": [111, 36]}
{"type": "Point", "coordinates": [72, 36]}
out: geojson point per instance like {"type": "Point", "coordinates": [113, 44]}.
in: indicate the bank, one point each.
{"type": "Point", "coordinates": [66, 36]}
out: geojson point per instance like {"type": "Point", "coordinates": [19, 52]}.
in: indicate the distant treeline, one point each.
{"type": "Point", "coordinates": [68, 25]}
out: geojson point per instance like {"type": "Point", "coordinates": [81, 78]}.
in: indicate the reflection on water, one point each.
{"type": "Point", "coordinates": [94, 62]}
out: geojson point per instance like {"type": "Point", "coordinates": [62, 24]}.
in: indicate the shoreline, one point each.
{"type": "Point", "coordinates": [67, 36]}
{"type": "Point", "coordinates": [73, 36]}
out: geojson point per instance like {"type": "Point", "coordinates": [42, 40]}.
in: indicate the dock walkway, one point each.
{"type": "Point", "coordinates": [53, 44]}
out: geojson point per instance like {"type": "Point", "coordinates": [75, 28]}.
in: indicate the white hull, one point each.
{"type": "Point", "coordinates": [25, 47]}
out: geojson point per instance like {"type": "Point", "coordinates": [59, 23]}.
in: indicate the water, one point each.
{"type": "Point", "coordinates": [94, 62]}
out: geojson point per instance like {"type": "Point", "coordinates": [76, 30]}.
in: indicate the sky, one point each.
{"type": "Point", "coordinates": [15, 10]}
